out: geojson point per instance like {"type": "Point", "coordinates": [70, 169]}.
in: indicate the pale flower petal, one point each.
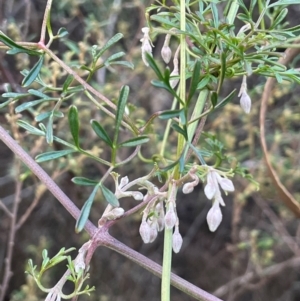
{"type": "Point", "coordinates": [211, 187]}
{"type": "Point", "coordinates": [188, 188]}
{"type": "Point", "coordinates": [214, 217]}
{"type": "Point", "coordinates": [218, 198]}
{"type": "Point", "coordinates": [166, 54]}
{"type": "Point", "coordinates": [176, 240]}
{"type": "Point", "coordinates": [170, 217]}
{"type": "Point", "coordinates": [124, 181]}
{"type": "Point", "coordinates": [245, 102]}
{"type": "Point", "coordinates": [225, 183]}
{"type": "Point", "coordinates": [145, 232]}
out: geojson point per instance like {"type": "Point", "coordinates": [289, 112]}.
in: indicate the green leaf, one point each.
{"type": "Point", "coordinates": [180, 130]}
{"type": "Point", "coordinates": [164, 169]}
{"type": "Point", "coordinates": [15, 47]}
{"type": "Point", "coordinates": [123, 63]}
{"type": "Point", "coordinates": [67, 82]}
{"type": "Point", "coordinates": [62, 32]}
{"type": "Point", "coordinates": [33, 73]}
{"type": "Point", "coordinates": [108, 44]}
{"type": "Point", "coordinates": [14, 95]}
{"type": "Point", "coordinates": [109, 196]}
{"type": "Point", "coordinates": [38, 93]}
{"type": "Point", "coordinates": [198, 153]}
{"type": "Point", "coordinates": [214, 98]}
{"type": "Point", "coordinates": [252, 6]}
{"type": "Point", "coordinates": [227, 99]}
{"type": "Point", "coordinates": [49, 130]}
{"type": "Point", "coordinates": [53, 155]}
{"type": "Point", "coordinates": [170, 114]}
{"type": "Point", "coordinates": [154, 66]}
{"type": "Point", "coordinates": [202, 84]}
{"type": "Point", "coordinates": [85, 211]}
{"type": "Point", "coordinates": [74, 124]}
{"type": "Point", "coordinates": [162, 84]}
{"type": "Point", "coordinates": [101, 133]}
{"type": "Point", "coordinates": [194, 80]}
{"type": "Point", "coordinates": [115, 56]}
{"type": "Point", "coordinates": [164, 20]}
{"type": "Point", "coordinates": [120, 111]}
{"type": "Point", "coordinates": [215, 15]}
{"type": "Point", "coordinates": [4, 104]}
{"type": "Point", "coordinates": [282, 14]}
{"type": "Point", "coordinates": [134, 141]}
{"type": "Point", "coordinates": [45, 115]}
{"type": "Point", "coordinates": [284, 2]}
{"type": "Point", "coordinates": [84, 181]}
{"type": "Point", "coordinates": [26, 105]}
{"type": "Point", "coordinates": [31, 129]}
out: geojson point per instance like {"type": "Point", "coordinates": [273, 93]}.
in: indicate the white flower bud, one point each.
{"type": "Point", "coordinates": [166, 54]}
{"type": "Point", "coordinates": [124, 181]}
{"type": "Point", "coordinates": [145, 232]}
{"type": "Point", "coordinates": [176, 240]}
{"type": "Point", "coordinates": [171, 217]}
{"type": "Point", "coordinates": [245, 102]}
{"type": "Point", "coordinates": [138, 196]}
{"type": "Point", "coordinates": [114, 213]}
{"type": "Point", "coordinates": [174, 82]}
{"type": "Point", "coordinates": [214, 216]}
{"type": "Point", "coordinates": [188, 188]}
{"type": "Point", "coordinates": [79, 261]}
{"type": "Point", "coordinates": [146, 45]}
{"type": "Point", "coordinates": [160, 216]}
{"type": "Point", "coordinates": [153, 231]}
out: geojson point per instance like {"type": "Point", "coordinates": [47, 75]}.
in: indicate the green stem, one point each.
{"type": "Point", "coordinates": [167, 131]}
{"type": "Point", "coordinates": [167, 256]}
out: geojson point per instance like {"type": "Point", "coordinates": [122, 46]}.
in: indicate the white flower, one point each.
{"type": "Point", "coordinates": [214, 216]}
{"type": "Point", "coordinates": [166, 53]}
{"type": "Point", "coordinates": [159, 210]}
{"type": "Point", "coordinates": [245, 102]}
{"type": "Point", "coordinates": [175, 72]}
{"type": "Point", "coordinates": [170, 217]}
{"type": "Point", "coordinates": [212, 191]}
{"type": "Point", "coordinates": [176, 240]}
{"type": "Point", "coordinates": [145, 232]}
{"type": "Point", "coordinates": [213, 182]}
{"type": "Point", "coordinates": [146, 44]}
{"type": "Point", "coordinates": [189, 187]}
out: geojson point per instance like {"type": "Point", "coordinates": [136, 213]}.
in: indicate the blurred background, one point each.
{"type": "Point", "coordinates": [255, 253]}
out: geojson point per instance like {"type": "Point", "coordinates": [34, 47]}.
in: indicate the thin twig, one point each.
{"type": "Point", "coordinates": [156, 269]}
{"type": "Point", "coordinates": [272, 271]}
{"type": "Point", "coordinates": [44, 177]}
{"type": "Point", "coordinates": [45, 20]}
{"type": "Point", "coordinates": [283, 193]}
{"type": "Point", "coordinates": [5, 209]}
{"type": "Point", "coordinates": [12, 233]}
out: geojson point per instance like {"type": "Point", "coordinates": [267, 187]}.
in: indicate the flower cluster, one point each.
{"type": "Point", "coordinates": [212, 192]}
{"type": "Point", "coordinates": [155, 219]}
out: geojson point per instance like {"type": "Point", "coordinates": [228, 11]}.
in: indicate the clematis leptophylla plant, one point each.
{"type": "Point", "coordinates": [213, 192]}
